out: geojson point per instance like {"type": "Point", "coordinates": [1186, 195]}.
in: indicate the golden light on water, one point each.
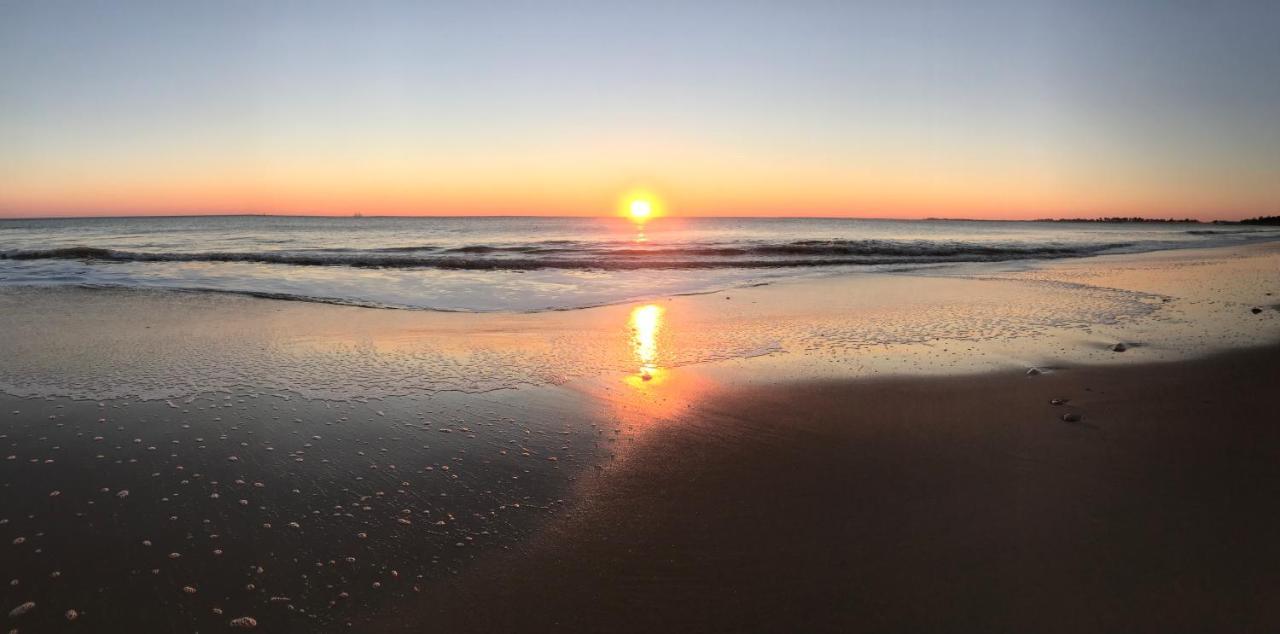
{"type": "Point", "coordinates": [646, 322]}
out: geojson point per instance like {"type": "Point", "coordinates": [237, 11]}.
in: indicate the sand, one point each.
{"type": "Point", "coordinates": [910, 504]}
{"type": "Point", "coordinates": [847, 453]}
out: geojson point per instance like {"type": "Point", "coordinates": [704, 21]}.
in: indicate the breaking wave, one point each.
{"type": "Point", "coordinates": [603, 256]}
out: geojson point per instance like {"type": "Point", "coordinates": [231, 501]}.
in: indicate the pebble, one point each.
{"type": "Point", "coordinates": [1033, 372]}
{"type": "Point", "coordinates": [1072, 417]}
{"type": "Point", "coordinates": [22, 609]}
{"type": "Point", "coordinates": [1255, 310]}
{"type": "Point", "coordinates": [1119, 347]}
{"type": "Point", "coordinates": [71, 615]}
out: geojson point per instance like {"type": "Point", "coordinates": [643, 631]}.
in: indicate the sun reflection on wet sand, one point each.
{"type": "Point", "coordinates": [657, 391]}
{"type": "Point", "coordinates": [646, 322]}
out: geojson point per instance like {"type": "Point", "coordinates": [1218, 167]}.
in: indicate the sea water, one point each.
{"type": "Point", "coordinates": [533, 264]}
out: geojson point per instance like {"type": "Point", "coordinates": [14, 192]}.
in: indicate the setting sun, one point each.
{"type": "Point", "coordinates": [640, 208]}
{"type": "Point", "coordinates": [640, 205]}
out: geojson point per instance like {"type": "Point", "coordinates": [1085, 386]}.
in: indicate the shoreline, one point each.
{"type": "Point", "coordinates": [1167, 305]}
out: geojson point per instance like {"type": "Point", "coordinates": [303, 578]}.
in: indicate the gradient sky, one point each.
{"type": "Point", "coordinates": [1003, 109]}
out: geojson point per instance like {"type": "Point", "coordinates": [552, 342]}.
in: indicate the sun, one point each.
{"type": "Point", "coordinates": [640, 209]}
{"type": "Point", "coordinates": [640, 205]}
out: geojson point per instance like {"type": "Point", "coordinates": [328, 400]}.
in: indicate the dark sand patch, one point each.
{"type": "Point", "coordinates": [958, 504]}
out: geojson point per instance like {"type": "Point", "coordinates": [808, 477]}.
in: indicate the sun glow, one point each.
{"type": "Point", "coordinates": [640, 205]}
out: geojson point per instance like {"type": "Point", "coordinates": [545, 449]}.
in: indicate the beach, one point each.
{"type": "Point", "coordinates": [619, 317]}
{"type": "Point", "coordinates": [922, 504]}
{"type": "Point", "coordinates": [878, 450]}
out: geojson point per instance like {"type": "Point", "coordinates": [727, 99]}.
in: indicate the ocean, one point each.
{"type": "Point", "coordinates": [533, 264]}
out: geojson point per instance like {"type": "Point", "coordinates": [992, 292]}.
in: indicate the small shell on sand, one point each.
{"type": "Point", "coordinates": [1034, 372]}
{"type": "Point", "coordinates": [188, 589]}
{"type": "Point", "coordinates": [1119, 347]}
{"type": "Point", "coordinates": [22, 609]}
{"type": "Point", "coordinates": [71, 615]}
{"type": "Point", "coordinates": [244, 622]}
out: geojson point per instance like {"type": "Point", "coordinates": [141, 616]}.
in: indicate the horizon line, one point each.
{"type": "Point", "coordinates": [598, 216]}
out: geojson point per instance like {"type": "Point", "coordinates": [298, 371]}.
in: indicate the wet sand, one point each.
{"type": "Point", "coordinates": [305, 515]}
{"type": "Point", "coordinates": [911, 504]}
{"type": "Point", "coordinates": [853, 453]}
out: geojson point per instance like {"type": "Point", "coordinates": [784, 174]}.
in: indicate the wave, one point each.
{"type": "Point", "coordinates": [604, 256]}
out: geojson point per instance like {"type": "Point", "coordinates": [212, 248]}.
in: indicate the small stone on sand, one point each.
{"type": "Point", "coordinates": [22, 609]}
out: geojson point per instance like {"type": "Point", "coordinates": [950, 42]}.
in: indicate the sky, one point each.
{"type": "Point", "coordinates": [982, 109]}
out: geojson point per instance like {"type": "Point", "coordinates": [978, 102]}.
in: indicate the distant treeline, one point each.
{"type": "Point", "coordinates": [1118, 219]}
{"type": "Point", "coordinates": [1272, 221]}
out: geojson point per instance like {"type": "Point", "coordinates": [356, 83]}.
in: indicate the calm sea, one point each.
{"type": "Point", "coordinates": [524, 264]}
